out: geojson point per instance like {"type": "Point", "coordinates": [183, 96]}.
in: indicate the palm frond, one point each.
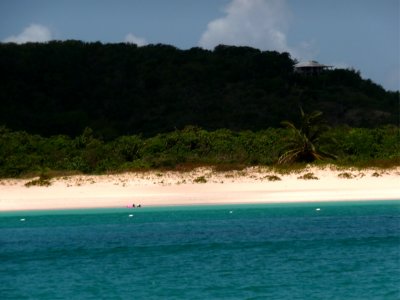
{"type": "Point", "coordinates": [303, 144]}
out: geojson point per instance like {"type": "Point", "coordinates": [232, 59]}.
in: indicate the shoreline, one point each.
{"type": "Point", "coordinates": [202, 186]}
{"type": "Point", "coordinates": [230, 206]}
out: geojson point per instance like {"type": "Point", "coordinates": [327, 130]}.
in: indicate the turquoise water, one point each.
{"type": "Point", "coordinates": [291, 251]}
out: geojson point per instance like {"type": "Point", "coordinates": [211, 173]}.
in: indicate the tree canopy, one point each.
{"type": "Point", "coordinates": [62, 87]}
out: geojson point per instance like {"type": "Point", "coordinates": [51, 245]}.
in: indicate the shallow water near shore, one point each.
{"type": "Point", "coordinates": [330, 250]}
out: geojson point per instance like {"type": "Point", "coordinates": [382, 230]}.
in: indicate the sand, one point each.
{"type": "Point", "coordinates": [202, 186]}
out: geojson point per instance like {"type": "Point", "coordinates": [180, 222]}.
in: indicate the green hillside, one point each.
{"type": "Point", "coordinates": [121, 89]}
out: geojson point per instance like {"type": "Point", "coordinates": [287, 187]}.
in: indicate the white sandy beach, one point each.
{"type": "Point", "coordinates": [251, 185]}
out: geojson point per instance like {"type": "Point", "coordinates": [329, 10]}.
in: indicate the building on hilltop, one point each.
{"type": "Point", "coordinates": [311, 67]}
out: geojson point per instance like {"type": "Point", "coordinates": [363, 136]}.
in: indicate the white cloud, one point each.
{"type": "Point", "coordinates": [32, 33]}
{"type": "Point", "coordinates": [132, 39]}
{"type": "Point", "coordinates": [257, 23]}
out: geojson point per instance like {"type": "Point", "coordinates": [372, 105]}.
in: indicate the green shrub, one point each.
{"type": "Point", "coordinates": [43, 180]}
{"type": "Point", "coordinates": [308, 176]}
{"type": "Point", "coordinates": [200, 179]}
{"type": "Point", "coordinates": [346, 175]}
{"type": "Point", "coordinates": [273, 178]}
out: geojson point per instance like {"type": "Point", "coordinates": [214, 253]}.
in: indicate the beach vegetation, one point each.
{"type": "Point", "coordinates": [229, 167]}
{"type": "Point", "coordinates": [346, 175]}
{"type": "Point", "coordinates": [200, 179]}
{"type": "Point", "coordinates": [23, 154]}
{"type": "Point", "coordinates": [273, 178]}
{"type": "Point", "coordinates": [303, 142]}
{"type": "Point", "coordinates": [43, 180]}
{"type": "Point", "coordinates": [308, 176]}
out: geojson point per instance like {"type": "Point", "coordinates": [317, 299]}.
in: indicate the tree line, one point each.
{"type": "Point", "coordinates": [22, 153]}
{"type": "Point", "coordinates": [62, 87]}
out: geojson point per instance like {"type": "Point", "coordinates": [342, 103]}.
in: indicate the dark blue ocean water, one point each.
{"type": "Point", "coordinates": [291, 251]}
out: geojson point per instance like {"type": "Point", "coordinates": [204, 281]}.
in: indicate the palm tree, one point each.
{"type": "Point", "coordinates": [303, 144]}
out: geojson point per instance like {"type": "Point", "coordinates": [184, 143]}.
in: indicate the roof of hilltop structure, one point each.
{"type": "Point", "coordinates": [310, 64]}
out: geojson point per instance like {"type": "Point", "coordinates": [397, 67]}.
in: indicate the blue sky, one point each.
{"type": "Point", "coordinates": [359, 34]}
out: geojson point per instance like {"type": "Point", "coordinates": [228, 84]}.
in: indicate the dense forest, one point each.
{"type": "Point", "coordinates": [93, 108]}
{"type": "Point", "coordinates": [120, 89]}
